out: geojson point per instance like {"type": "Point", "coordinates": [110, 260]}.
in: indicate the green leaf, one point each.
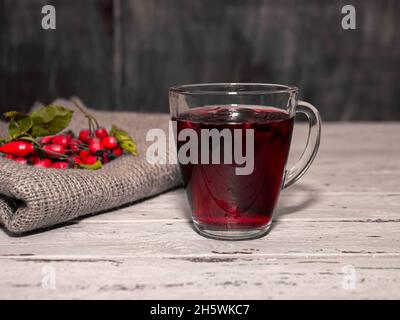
{"type": "Point", "coordinates": [50, 120]}
{"type": "Point", "coordinates": [124, 140]}
{"type": "Point", "coordinates": [14, 115]}
{"type": "Point", "coordinates": [12, 130]}
{"type": "Point", "coordinates": [119, 134]}
{"type": "Point", "coordinates": [30, 139]}
{"type": "Point", "coordinates": [19, 127]}
{"type": "Point", "coordinates": [130, 147]}
{"type": "Point", "coordinates": [97, 165]}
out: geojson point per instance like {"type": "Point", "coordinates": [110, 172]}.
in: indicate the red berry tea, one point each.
{"type": "Point", "coordinates": [220, 198]}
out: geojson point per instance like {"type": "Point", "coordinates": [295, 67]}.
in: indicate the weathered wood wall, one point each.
{"type": "Point", "coordinates": [121, 54]}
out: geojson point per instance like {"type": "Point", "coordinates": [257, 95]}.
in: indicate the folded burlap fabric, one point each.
{"type": "Point", "coordinates": [32, 198]}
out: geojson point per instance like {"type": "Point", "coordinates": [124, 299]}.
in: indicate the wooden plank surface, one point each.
{"type": "Point", "coordinates": [202, 278]}
{"type": "Point", "coordinates": [341, 221]}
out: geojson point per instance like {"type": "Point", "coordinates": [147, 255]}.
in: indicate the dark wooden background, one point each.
{"type": "Point", "coordinates": [123, 55]}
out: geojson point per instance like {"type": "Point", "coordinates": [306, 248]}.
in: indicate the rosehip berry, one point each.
{"type": "Point", "coordinates": [74, 145]}
{"type": "Point", "coordinates": [95, 145]}
{"type": "Point", "coordinates": [89, 160]}
{"type": "Point", "coordinates": [84, 154]}
{"type": "Point", "coordinates": [84, 135]}
{"type": "Point", "coordinates": [118, 151]}
{"type": "Point", "coordinates": [101, 133]}
{"type": "Point", "coordinates": [45, 163]}
{"type": "Point", "coordinates": [54, 150]}
{"type": "Point", "coordinates": [69, 137]}
{"type": "Point", "coordinates": [109, 143]}
{"type": "Point", "coordinates": [105, 158]}
{"type": "Point", "coordinates": [21, 160]}
{"type": "Point", "coordinates": [33, 158]}
{"type": "Point", "coordinates": [17, 148]}
{"type": "Point", "coordinates": [61, 140]}
{"type": "Point", "coordinates": [76, 159]}
{"type": "Point", "coordinates": [60, 165]}
{"type": "Point", "coordinates": [45, 140]}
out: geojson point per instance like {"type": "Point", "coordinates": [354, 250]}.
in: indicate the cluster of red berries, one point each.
{"type": "Point", "coordinates": [65, 150]}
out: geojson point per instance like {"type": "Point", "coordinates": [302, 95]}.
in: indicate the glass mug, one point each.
{"type": "Point", "coordinates": [233, 141]}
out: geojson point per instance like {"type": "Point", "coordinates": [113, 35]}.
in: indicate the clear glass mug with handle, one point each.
{"type": "Point", "coordinates": [233, 141]}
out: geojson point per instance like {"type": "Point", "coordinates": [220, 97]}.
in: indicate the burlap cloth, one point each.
{"type": "Point", "coordinates": [34, 198]}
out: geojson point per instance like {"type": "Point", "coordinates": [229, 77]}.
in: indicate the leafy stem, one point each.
{"type": "Point", "coordinates": [92, 120]}
{"type": "Point", "coordinates": [52, 154]}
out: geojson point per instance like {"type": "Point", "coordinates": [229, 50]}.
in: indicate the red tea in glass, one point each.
{"type": "Point", "coordinates": [218, 196]}
{"type": "Point", "coordinates": [224, 204]}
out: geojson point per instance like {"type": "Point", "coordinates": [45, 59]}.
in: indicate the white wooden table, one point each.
{"type": "Point", "coordinates": [336, 234]}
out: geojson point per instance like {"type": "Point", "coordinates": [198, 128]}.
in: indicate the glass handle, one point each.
{"type": "Point", "coordinates": [313, 139]}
